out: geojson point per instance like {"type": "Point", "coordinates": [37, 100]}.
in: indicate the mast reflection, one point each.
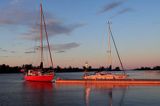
{"type": "Point", "coordinates": [87, 95]}
{"type": "Point", "coordinates": [90, 91]}
{"type": "Point", "coordinates": [108, 88]}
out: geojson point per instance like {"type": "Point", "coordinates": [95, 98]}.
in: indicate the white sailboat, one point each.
{"type": "Point", "coordinates": [106, 75]}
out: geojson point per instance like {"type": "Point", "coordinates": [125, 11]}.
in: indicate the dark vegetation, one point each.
{"type": "Point", "coordinates": [7, 69]}
{"type": "Point", "coordinates": [148, 68]}
{"type": "Point", "coordinates": [16, 69]}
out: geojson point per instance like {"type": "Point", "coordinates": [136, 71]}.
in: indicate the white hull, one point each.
{"type": "Point", "coordinates": [105, 76]}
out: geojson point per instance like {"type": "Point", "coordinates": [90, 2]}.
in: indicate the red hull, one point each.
{"type": "Point", "coordinates": [42, 78]}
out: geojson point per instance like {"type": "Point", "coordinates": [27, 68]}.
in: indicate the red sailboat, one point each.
{"type": "Point", "coordinates": [41, 73]}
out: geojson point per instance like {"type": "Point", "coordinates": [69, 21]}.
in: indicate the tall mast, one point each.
{"type": "Point", "coordinates": [116, 47]}
{"type": "Point", "coordinates": [41, 34]}
{"type": "Point", "coordinates": [43, 24]}
{"type": "Point", "coordinates": [45, 28]}
{"type": "Point", "coordinates": [109, 48]}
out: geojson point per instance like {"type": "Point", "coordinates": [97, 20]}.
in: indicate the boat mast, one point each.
{"type": "Point", "coordinates": [41, 35]}
{"type": "Point", "coordinates": [116, 47]}
{"type": "Point", "coordinates": [45, 29]}
{"type": "Point", "coordinates": [109, 50]}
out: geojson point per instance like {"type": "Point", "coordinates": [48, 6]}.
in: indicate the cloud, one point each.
{"type": "Point", "coordinates": [16, 12]}
{"type": "Point", "coordinates": [15, 1]}
{"type": "Point", "coordinates": [20, 15]}
{"type": "Point", "coordinates": [58, 48]}
{"type": "Point", "coordinates": [66, 46]}
{"type": "Point", "coordinates": [12, 51]}
{"type": "Point", "coordinates": [54, 27]}
{"type": "Point", "coordinates": [3, 50]}
{"type": "Point", "coordinates": [16, 16]}
{"type": "Point", "coordinates": [60, 51]}
{"type": "Point", "coordinates": [111, 6]}
{"type": "Point", "coordinates": [6, 51]}
{"type": "Point", "coordinates": [4, 56]}
{"type": "Point", "coordinates": [114, 5]}
{"type": "Point", "coordinates": [29, 52]}
{"type": "Point", "coordinates": [121, 12]}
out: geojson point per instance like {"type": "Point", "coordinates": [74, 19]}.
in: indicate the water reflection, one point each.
{"type": "Point", "coordinates": [109, 89]}
{"type": "Point", "coordinates": [110, 97]}
{"type": "Point", "coordinates": [87, 95]}
{"type": "Point", "coordinates": [38, 93]}
{"type": "Point", "coordinates": [94, 91]}
{"type": "Point", "coordinates": [15, 92]}
{"type": "Point", "coordinates": [38, 85]}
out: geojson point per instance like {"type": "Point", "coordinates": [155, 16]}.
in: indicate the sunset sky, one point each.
{"type": "Point", "coordinates": [78, 31]}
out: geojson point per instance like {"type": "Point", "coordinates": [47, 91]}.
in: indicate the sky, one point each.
{"type": "Point", "coordinates": [78, 31]}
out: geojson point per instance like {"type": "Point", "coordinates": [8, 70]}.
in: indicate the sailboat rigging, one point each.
{"type": "Point", "coordinates": [111, 35]}
{"type": "Point", "coordinates": [41, 73]}
{"type": "Point", "coordinates": [106, 75]}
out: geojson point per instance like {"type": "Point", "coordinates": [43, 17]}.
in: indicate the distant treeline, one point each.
{"type": "Point", "coordinates": [89, 69]}
{"type": "Point", "coordinates": [17, 69]}
{"type": "Point", "coordinates": [7, 69]}
{"type": "Point", "coordinates": [148, 68]}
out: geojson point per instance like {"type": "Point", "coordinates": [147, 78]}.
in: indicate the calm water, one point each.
{"type": "Point", "coordinates": [14, 91]}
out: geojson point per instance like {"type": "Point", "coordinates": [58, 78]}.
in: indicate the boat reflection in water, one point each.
{"type": "Point", "coordinates": [105, 92]}
{"type": "Point", "coordinates": [38, 93]}
{"type": "Point", "coordinates": [87, 94]}
{"type": "Point", "coordinates": [108, 92]}
{"type": "Point", "coordinates": [38, 85]}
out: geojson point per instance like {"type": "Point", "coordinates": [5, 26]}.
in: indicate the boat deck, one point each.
{"type": "Point", "coordinates": [122, 81]}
